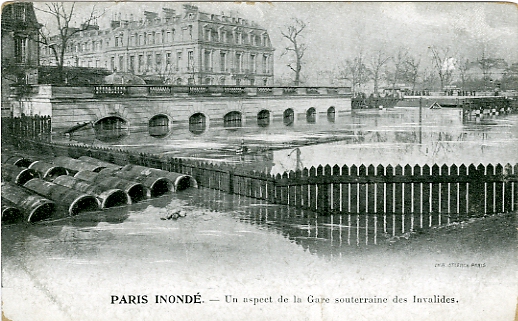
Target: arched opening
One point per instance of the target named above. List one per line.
(311, 116)
(288, 117)
(111, 128)
(197, 123)
(263, 118)
(158, 126)
(232, 119)
(331, 114)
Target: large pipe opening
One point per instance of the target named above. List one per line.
(137, 193)
(184, 182)
(42, 212)
(160, 186)
(110, 129)
(84, 203)
(113, 198)
(48, 171)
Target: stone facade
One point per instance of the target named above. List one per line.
(188, 48)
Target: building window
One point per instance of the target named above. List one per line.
(232, 119)
(20, 50)
(121, 63)
(158, 62)
(178, 60)
(265, 64)
(252, 64)
(239, 62)
(223, 61)
(190, 60)
(197, 123)
(224, 37)
(149, 62)
(141, 63)
(132, 64)
(168, 37)
(207, 61)
(112, 63)
(141, 40)
(116, 41)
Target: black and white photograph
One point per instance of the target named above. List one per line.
(312, 161)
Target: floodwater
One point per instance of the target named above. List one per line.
(229, 247)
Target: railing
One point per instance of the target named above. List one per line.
(26, 127)
(449, 190)
(157, 90)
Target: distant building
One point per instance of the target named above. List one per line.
(189, 48)
(20, 31)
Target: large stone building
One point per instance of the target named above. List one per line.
(20, 31)
(188, 48)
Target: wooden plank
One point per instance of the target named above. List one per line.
(499, 190)
(508, 189)
(426, 190)
(389, 188)
(417, 201)
(292, 192)
(454, 195)
(336, 190)
(490, 190)
(408, 191)
(371, 192)
(445, 192)
(298, 191)
(354, 191)
(398, 192)
(362, 191)
(305, 190)
(463, 192)
(476, 189)
(345, 191)
(435, 192)
(313, 190)
(380, 190)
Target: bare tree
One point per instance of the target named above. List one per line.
(356, 71)
(486, 64)
(377, 62)
(411, 70)
(64, 16)
(443, 64)
(463, 70)
(292, 33)
(397, 71)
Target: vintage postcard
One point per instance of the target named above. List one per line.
(259, 161)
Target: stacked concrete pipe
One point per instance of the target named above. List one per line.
(17, 160)
(180, 181)
(48, 171)
(17, 175)
(158, 185)
(10, 212)
(108, 197)
(33, 206)
(136, 191)
(98, 162)
(75, 165)
(73, 201)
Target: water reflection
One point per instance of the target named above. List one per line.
(323, 235)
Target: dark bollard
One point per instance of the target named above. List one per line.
(17, 175)
(136, 191)
(180, 181)
(158, 185)
(33, 206)
(108, 197)
(10, 213)
(75, 165)
(73, 201)
(47, 171)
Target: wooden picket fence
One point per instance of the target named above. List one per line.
(328, 190)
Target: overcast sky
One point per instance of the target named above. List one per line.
(337, 30)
